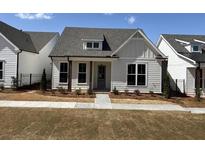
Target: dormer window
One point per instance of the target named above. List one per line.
(94, 45)
(195, 48)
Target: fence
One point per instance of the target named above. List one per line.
(29, 79)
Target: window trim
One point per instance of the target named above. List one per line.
(81, 72)
(63, 72)
(3, 70)
(93, 48)
(136, 74)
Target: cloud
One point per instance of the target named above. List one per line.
(32, 16)
(131, 20)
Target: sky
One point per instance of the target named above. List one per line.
(152, 24)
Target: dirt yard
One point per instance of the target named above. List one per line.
(25, 123)
(47, 96)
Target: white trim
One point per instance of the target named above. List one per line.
(86, 59)
(86, 65)
(62, 83)
(161, 37)
(95, 40)
(196, 40)
(181, 41)
(15, 47)
(132, 58)
(136, 74)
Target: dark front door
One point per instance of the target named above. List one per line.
(101, 77)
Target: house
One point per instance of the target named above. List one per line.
(23, 53)
(102, 59)
(186, 54)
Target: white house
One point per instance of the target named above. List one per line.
(185, 54)
(24, 53)
(102, 59)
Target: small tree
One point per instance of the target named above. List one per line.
(198, 94)
(14, 82)
(166, 91)
(43, 81)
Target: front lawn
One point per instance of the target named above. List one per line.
(25, 123)
(37, 95)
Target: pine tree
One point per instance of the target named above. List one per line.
(44, 81)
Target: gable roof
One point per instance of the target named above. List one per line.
(40, 39)
(17, 37)
(26, 41)
(71, 41)
(179, 48)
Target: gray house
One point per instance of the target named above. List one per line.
(103, 59)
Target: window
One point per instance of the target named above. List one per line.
(1, 70)
(136, 74)
(89, 45)
(82, 73)
(93, 45)
(96, 45)
(141, 74)
(63, 72)
(195, 48)
(131, 74)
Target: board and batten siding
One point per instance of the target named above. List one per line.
(8, 55)
(134, 52)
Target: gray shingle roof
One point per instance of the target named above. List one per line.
(71, 43)
(40, 39)
(17, 37)
(171, 38)
(26, 41)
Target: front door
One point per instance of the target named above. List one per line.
(101, 77)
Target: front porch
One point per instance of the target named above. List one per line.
(86, 73)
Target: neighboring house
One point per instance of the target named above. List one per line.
(104, 59)
(185, 54)
(24, 53)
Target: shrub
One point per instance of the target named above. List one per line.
(43, 81)
(137, 92)
(90, 91)
(61, 90)
(1, 86)
(115, 91)
(166, 88)
(78, 91)
(198, 92)
(151, 93)
(14, 82)
(126, 92)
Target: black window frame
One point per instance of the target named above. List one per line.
(96, 43)
(82, 73)
(141, 74)
(194, 47)
(131, 74)
(63, 72)
(2, 71)
(91, 43)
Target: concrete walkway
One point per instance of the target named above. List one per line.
(102, 101)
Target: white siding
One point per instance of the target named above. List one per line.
(32, 63)
(8, 55)
(190, 87)
(176, 65)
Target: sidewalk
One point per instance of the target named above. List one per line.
(78, 105)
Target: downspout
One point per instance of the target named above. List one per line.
(51, 73)
(17, 69)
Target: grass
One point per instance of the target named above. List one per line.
(39, 96)
(21, 123)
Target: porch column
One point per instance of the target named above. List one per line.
(91, 73)
(197, 78)
(69, 75)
